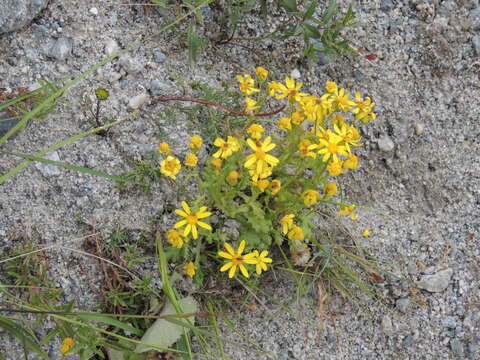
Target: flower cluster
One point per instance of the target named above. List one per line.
(270, 179)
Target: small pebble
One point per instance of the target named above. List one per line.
(476, 44)
(437, 282)
(47, 169)
(295, 74)
(94, 11)
(159, 57)
(402, 304)
(385, 143)
(418, 128)
(61, 49)
(111, 47)
(457, 348)
(138, 101)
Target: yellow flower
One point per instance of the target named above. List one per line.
(296, 233)
(331, 147)
(260, 156)
(273, 88)
(262, 184)
(287, 223)
(310, 197)
(163, 148)
(67, 344)
(195, 143)
(170, 167)
(290, 90)
(285, 123)
(366, 233)
(255, 131)
(191, 160)
(331, 87)
(364, 109)
(217, 164)
(298, 116)
(335, 168)
(250, 106)
(275, 186)
(266, 172)
(189, 269)
(232, 178)
(338, 120)
(316, 108)
(191, 221)
(348, 210)
(341, 100)
(330, 189)
(227, 148)
(175, 238)
(246, 84)
(236, 260)
(303, 147)
(262, 74)
(349, 135)
(260, 260)
(351, 162)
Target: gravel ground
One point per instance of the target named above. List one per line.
(419, 176)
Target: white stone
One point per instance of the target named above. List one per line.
(295, 74)
(47, 169)
(138, 101)
(94, 11)
(111, 47)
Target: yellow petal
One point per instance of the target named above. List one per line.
(194, 232)
(250, 161)
(204, 225)
(232, 271)
(188, 228)
(229, 249)
(225, 255)
(252, 144)
(218, 142)
(241, 247)
(180, 224)
(181, 213)
(201, 214)
(186, 207)
(226, 266)
(244, 271)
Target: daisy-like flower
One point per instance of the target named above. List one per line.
(191, 221)
(189, 269)
(175, 238)
(285, 123)
(260, 260)
(348, 210)
(287, 223)
(255, 131)
(275, 186)
(349, 135)
(304, 150)
(191, 160)
(217, 164)
(266, 172)
(236, 259)
(331, 147)
(330, 189)
(247, 84)
(170, 167)
(335, 168)
(310, 197)
(331, 87)
(296, 233)
(67, 344)
(290, 90)
(260, 156)
(273, 88)
(163, 148)
(261, 73)
(366, 233)
(351, 162)
(227, 148)
(195, 143)
(364, 109)
(338, 120)
(298, 116)
(262, 184)
(232, 177)
(341, 100)
(250, 106)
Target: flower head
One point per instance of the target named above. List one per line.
(170, 167)
(195, 143)
(255, 131)
(260, 260)
(273, 88)
(163, 148)
(304, 149)
(227, 148)
(262, 184)
(287, 223)
(236, 259)
(191, 221)
(285, 123)
(349, 135)
(335, 167)
(275, 186)
(351, 162)
(332, 147)
(296, 233)
(364, 109)
(189, 269)
(330, 189)
(232, 177)
(67, 344)
(310, 197)
(341, 100)
(247, 84)
(261, 73)
(348, 210)
(250, 106)
(191, 159)
(366, 233)
(331, 87)
(175, 238)
(290, 90)
(260, 159)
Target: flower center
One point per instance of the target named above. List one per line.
(191, 219)
(260, 154)
(332, 148)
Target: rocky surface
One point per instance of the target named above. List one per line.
(14, 14)
(418, 180)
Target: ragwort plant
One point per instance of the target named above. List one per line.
(273, 176)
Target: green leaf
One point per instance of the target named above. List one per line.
(23, 336)
(310, 10)
(289, 5)
(311, 31)
(111, 321)
(163, 332)
(331, 9)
